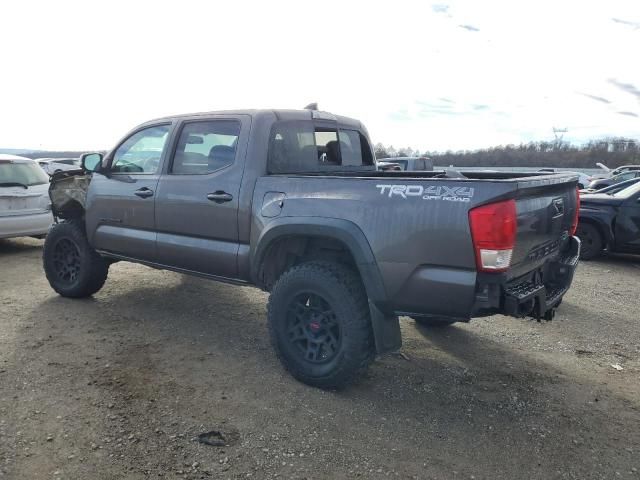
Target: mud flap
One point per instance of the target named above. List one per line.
(386, 330)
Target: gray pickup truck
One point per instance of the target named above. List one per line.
(290, 201)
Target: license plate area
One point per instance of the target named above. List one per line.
(15, 205)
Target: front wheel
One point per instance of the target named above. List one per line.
(73, 268)
(320, 324)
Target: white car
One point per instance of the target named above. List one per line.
(612, 172)
(54, 165)
(25, 208)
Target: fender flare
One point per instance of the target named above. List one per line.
(384, 322)
(338, 229)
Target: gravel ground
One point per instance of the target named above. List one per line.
(121, 385)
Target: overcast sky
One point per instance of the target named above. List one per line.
(436, 76)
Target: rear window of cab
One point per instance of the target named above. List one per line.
(303, 146)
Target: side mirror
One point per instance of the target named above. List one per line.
(91, 162)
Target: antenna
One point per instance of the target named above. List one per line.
(312, 106)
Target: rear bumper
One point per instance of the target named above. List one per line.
(25, 225)
(536, 294)
(462, 294)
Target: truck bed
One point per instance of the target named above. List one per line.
(417, 224)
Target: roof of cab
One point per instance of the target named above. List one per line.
(280, 114)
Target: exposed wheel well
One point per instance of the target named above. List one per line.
(72, 210)
(290, 250)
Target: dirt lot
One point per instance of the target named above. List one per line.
(120, 386)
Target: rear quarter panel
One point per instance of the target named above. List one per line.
(426, 226)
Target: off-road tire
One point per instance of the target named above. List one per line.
(343, 291)
(92, 269)
(592, 243)
(434, 322)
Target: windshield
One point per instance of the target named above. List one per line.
(27, 174)
(627, 192)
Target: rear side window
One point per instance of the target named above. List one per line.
(352, 149)
(204, 147)
(327, 149)
(21, 173)
(301, 146)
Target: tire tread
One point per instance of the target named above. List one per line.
(97, 269)
(355, 361)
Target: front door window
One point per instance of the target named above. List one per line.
(142, 151)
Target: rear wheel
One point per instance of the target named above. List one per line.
(434, 322)
(320, 324)
(591, 240)
(72, 266)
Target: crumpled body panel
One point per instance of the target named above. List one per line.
(68, 193)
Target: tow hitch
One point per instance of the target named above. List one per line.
(540, 295)
(531, 300)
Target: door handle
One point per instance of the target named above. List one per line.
(220, 196)
(144, 192)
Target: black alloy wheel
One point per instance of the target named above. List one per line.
(312, 328)
(591, 240)
(66, 260)
(320, 324)
(74, 269)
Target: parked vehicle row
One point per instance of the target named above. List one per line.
(608, 172)
(25, 207)
(616, 187)
(610, 220)
(583, 179)
(55, 165)
(607, 182)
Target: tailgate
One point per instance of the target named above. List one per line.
(545, 210)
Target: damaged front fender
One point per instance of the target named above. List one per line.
(68, 193)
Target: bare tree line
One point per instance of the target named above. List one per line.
(612, 151)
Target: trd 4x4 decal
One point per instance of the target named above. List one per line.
(430, 192)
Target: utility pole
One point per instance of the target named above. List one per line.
(558, 133)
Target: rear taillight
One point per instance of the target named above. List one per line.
(493, 229)
(576, 214)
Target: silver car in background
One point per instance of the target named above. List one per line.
(413, 164)
(54, 165)
(25, 207)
